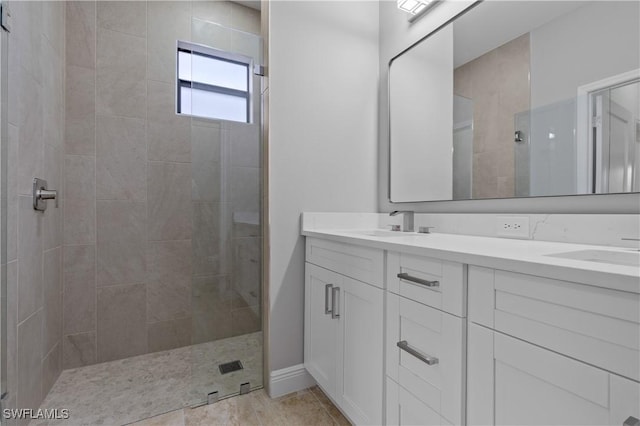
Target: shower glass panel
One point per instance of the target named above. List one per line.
(226, 202)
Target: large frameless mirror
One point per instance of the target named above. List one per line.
(519, 99)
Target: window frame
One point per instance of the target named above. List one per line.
(218, 55)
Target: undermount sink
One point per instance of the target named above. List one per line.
(382, 233)
(625, 258)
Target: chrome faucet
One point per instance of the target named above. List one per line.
(407, 219)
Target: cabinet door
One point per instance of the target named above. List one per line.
(320, 330)
(511, 382)
(360, 365)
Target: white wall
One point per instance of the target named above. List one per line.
(323, 62)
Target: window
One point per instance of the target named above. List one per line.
(213, 83)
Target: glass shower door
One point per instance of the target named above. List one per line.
(226, 205)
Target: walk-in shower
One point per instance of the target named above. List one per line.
(128, 299)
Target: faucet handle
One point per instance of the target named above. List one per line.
(395, 227)
(425, 229)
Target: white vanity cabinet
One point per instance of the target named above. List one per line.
(426, 336)
(544, 351)
(344, 326)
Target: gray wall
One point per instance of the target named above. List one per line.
(396, 34)
(155, 256)
(36, 134)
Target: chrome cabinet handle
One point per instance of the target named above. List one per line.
(327, 287)
(429, 360)
(335, 292)
(631, 421)
(407, 277)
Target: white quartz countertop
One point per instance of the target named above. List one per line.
(523, 256)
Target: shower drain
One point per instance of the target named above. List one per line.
(229, 367)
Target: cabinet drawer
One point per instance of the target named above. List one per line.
(592, 324)
(404, 408)
(447, 291)
(437, 337)
(360, 263)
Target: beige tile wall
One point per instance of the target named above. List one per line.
(498, 84)
(153, 258)
(36, 134)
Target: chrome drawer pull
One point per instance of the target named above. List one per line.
(631, 421)
(430, 360)
(327, 287)
(407, 277)
(335, 304)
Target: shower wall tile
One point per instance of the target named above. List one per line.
(171, 334)
(120, 158)
(79, 221)
(213, 11)
(245, 320)
(169, 191)
(244, 140)
(206, 141)
(244, 192)
(80, 178)
(53, 25)
(211, 326)
(53, 96)
(12, 193)
(80, 110)
(52, 218)
(79, 350)
(210, 34)
(209, 244)
(207, 182)
(122, 241)
(122, 329)
(212, 298)
(51, 368)
(30, 145)
(30, 362)
(245, 19)
(27, 30)
(169, 285)
(81, 33)
(246, 269)
(212, 293)
(167, 21)
(12, 326)
(121, 70)
(79, 268)
(128, 17)
(29, 259)
(52, 325)
(169, 134)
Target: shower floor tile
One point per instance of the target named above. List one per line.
(136, 388)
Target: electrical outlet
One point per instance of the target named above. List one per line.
(512, 226)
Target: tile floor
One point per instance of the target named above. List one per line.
(132, 389)
(305, 408)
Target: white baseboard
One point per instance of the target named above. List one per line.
(290, 379)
